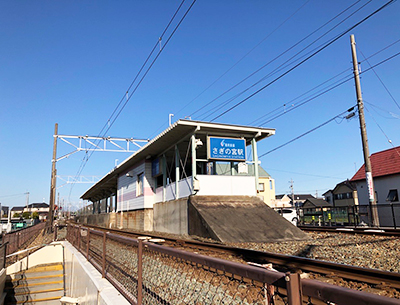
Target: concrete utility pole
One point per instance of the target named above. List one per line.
(363, 127)
(50, 217)
(292, 192)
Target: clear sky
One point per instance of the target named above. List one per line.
(71, 62)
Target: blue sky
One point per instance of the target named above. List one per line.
(70, 62)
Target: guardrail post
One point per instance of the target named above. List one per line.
(103, 269)
(79, 237)
(5, 254)
(293, 287)
(55, 233)
(140, 273)
(87, 243)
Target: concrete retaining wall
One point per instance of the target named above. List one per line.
(136, 220)
(171, 216)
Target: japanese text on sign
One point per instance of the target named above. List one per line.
(226, 149)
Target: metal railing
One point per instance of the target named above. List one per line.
(3, 251)
(148, 273)
(353, 215)
(17, 239)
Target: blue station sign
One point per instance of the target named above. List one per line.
(229, 149)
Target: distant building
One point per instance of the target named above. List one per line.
(17, 210)
(282, 200)
(315, 204)
(299, 199)
(285, 200)
(343, 195)
(328, 196)
(386, 175)
(4, 211)
(41, 208)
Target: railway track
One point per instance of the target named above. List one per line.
(281, 262)
(356, 230)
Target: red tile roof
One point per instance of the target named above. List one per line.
(383, 163)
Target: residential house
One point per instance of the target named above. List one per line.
(282, 201)
(328, 196)
(344, 194)
(286, 200)
(41, 208)
(17, 211)
(315, 210)
(386, 177)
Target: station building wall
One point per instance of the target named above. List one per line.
(129, 193)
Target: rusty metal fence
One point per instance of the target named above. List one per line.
(3, 251)
(148, 273)
(16, 240)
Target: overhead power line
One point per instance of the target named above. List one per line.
(381, 81)
(308, 132)
(334, 86)
(280, 67)
(234, 65)
(129, 96)
(295, 105)
(305, 60)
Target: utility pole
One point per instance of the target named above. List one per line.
(27, 200)
(363, 127)
(292, 191)
(50, 218)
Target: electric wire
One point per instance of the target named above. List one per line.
(255, 122)
(305, 60)
(393, 116)
(234, 65)
(383, 132)
(136, 87)
(282, 66)
(291, 101)
(334, 86)
(243, 57)
(142, 67)
(302, 174)
(307, 132)
(380, 80)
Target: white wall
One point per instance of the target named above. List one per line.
(226, 185)
(83, 281)
(128, 199)
(382, 186)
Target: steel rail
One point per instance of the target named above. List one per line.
(359, 274)
(353, 230)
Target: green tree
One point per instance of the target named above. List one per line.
(26, 215)
(16, 215)
(35, 215)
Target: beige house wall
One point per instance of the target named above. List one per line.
(268, 194)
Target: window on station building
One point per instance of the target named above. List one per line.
(140, 185)
(392, 196)
(261, 187)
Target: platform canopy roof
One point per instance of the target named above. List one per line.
(166, 140)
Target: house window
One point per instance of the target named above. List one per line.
(270, 185)
(261, 187)
(140, 187)
(392, 196)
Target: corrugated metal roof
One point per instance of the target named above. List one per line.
(166, 139)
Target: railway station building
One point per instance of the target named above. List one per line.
(184, 181)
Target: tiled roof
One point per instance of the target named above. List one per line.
(317, 202)
(383, 163)
(301, 196)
